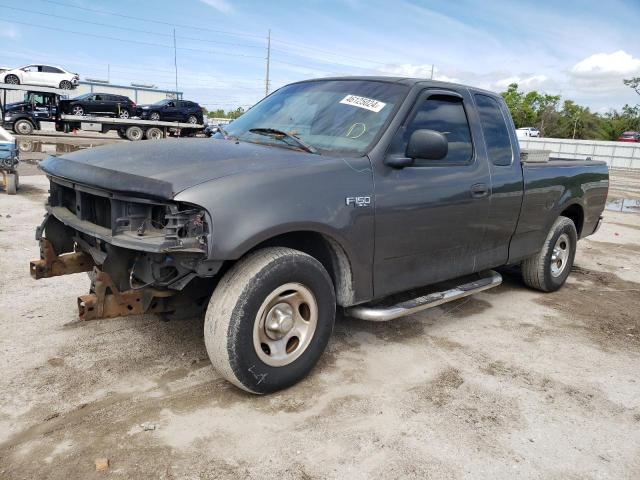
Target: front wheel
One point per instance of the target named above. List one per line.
(77, 110)
(192, 119)
(23, 127)
(269, 319)
(155, 116)
(549, 268)
(12, 80)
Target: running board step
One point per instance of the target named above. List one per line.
(382, 313)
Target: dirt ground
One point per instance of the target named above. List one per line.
(509, 383)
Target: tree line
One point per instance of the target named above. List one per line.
(221, 113)
(566, 119)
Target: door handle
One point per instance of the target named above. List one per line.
(479, 190)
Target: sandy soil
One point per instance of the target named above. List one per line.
(506, 384)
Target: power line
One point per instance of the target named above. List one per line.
(107, 37)
(135, 30)
(160, 22)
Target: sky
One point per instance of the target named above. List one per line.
(580, 50)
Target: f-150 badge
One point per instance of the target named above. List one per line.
(358, 201)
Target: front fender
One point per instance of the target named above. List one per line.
(249, 208)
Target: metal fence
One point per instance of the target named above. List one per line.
(616, 154)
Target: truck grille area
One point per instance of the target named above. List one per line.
(168, 225)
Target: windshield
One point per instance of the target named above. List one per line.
(331, 116)
(163, 102)
(83, 96)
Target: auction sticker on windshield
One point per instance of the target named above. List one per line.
(363, 102)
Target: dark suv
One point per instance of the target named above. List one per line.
(100, 104)
(172, 111)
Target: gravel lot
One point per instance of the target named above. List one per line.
(507, 384)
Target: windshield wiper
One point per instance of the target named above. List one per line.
(274, 132)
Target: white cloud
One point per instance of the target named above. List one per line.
(601, 74)
(616, 63)
(9, 32)
(524, 82)
(417, 71)
(220, 5)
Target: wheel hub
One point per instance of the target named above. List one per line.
(279, 321)
(560, 255)
(285, 324)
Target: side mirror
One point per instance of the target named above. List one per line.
(428, 145)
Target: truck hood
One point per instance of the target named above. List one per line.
(12, 107)
(163, 168)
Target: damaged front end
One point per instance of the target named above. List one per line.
(141, 253)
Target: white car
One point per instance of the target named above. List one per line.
(528, 132)
(43, 75)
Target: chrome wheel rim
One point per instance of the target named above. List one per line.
(192, 120)
(124, 114)
(78, 111)
(24, 128)
(12, 80)
(560, 255)
(285, 324)
(154, 116)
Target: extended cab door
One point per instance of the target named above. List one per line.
(503, 153)
(431, 216)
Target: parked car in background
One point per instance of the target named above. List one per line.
(629, 137)
(528, 132)
(173, 111)
(100, 104)
(43, 75)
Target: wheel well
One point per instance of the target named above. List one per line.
(576, 215)
(328, 252)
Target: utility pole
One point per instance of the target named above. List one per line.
(175, 59)
(108, 72)
(266, 83)
(432, 71)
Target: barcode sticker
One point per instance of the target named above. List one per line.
(363, 102)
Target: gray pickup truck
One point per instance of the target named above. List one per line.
(382, 196)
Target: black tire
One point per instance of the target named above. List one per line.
(12, 79)
(154, 133)
(122, 134)
(23, 127)
(549, 268)
(134, 133)
(192, 119)
(66, 85)
(234, 316)
(155, 116)
(77, 110)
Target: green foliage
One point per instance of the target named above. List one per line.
(634, 83)
(569, 120)
(231, 114)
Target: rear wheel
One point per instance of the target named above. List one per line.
(124, 113)
(134, 133)
(155, 116)
(23, 127)
(77, 110)
(154, 133)
(66, 85)
(192, 119)
(269, 319)
(12, 79)
(549, 268)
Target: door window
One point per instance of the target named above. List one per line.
(494, 130)
(444, 114)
